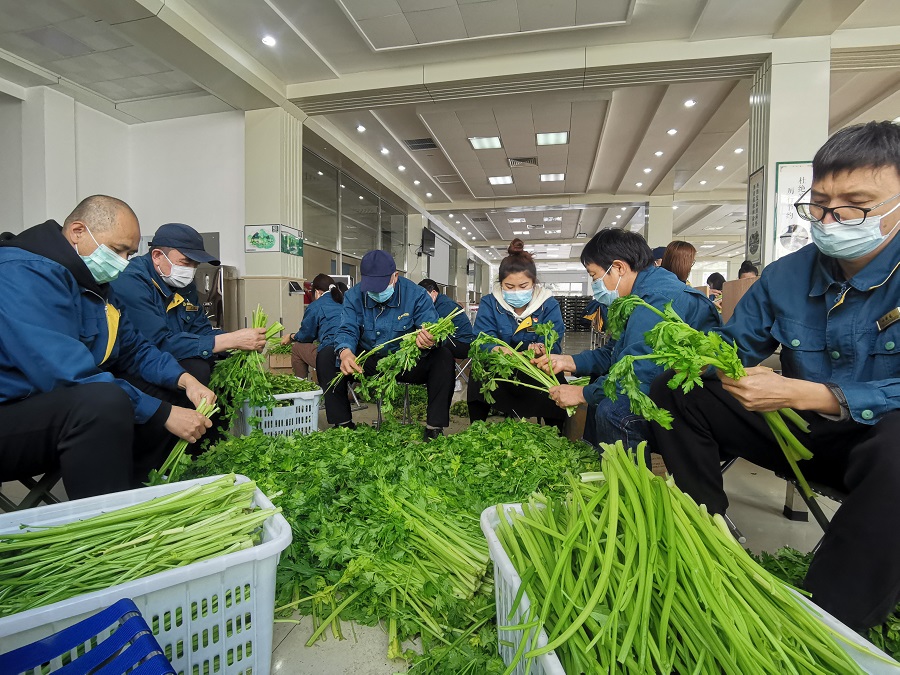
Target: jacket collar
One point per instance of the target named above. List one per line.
(644, 277)
(540, 296)
(166, 291)
(826, 271)
(393, 301)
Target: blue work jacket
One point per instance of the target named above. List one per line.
(171, 319)
(61, 328)
(445, 307)
(831, 329)
(497, 318)
(366, 323)
(321, 321)
(655, 286)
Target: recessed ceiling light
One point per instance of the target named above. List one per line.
(738, 151)
(674, 207)
(360, 196)
(417, 182)
(672, 132)
(320, 173)
(385, 151)
(552, 177)
(702, 182)
(269, 41)
(485, 142)
(619, 216)
(721, 167)
(658, 153)
(500, 180)
(457, 222)
(647, 170)
(401, 168)
(427, 194)
(624, 208)
(639, 185)
(464, 229)
(343, 187)
(360, 128)
(690, 103)
(473, 238)
(556, 138)
(450, 215)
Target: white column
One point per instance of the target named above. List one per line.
(660, 219)
(417, 265)
(12, 218)
(734, 264)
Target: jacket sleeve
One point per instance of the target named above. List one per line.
(309, 326)
(149, 319)
(423, 308)
(464, 333)
(750, 327)
(43, 338)
(136, 356)
(870, 401)
(351, 323)
(594, 361)
(486, 321)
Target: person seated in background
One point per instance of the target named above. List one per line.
(620, 263)
(381, 307)
(64, 347)
(321, 320)
(658, 254)
(748, 270)
(715, 282)
(832, 307)
(159, 292)
(462, 338)
(679, 259)
(592, 316)
(511, 312)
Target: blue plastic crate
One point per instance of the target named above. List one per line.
(114, 641)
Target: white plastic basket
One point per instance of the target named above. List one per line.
(226, 604)
(506, 587)
(300, 416)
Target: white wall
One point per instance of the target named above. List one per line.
(11, 213)
(102, 155)
(191, 170)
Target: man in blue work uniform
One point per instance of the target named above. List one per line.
(833, 308)
(459, 343)
(159, 292)
(381, 307)
(65, 347)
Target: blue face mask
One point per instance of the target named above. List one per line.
(852, 238)
(103, 264)
(384, 296)
(601, 293)
(518, 298)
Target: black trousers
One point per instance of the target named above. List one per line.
(434, 370)
(515, 401)
(460, 350)
(87, 432)
(855, 575)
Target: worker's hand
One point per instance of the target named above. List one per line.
(567, 394)
(187, 424)
(348, 363)
(763, 390)
(424, 339)
(195, 390)
(286, 340)
(249, 339)
(505, 350)
(713, 291)
(555, 363)
(539, 348)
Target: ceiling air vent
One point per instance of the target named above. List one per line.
(420, 144)
(446, 178)
(479, 219)
(522, 161)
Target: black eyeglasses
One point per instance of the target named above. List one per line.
(815, 213)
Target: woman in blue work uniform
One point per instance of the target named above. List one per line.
(321, 319)
(516, 305)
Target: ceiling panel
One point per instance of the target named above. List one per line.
(874, 14)
(16, 15)
(542, 15)
(437, 25)
(726, 18)
(388, 31)
(494, 17)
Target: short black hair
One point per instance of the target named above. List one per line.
(615, 244)
(430, 285)
(873, 145)
(715, 281)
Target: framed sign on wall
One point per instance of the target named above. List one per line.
(756, 214)
(792, 180)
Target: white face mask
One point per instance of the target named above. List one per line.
(179, 276)
(852, 238)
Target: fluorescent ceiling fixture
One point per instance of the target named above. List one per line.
(712, 228)
(639, 185)
(416, 182)
(738, 151)
(672, 132)
(360, 128)
(500, 180)
(552, 231)
(385, 151)
(702, 182)
(321, 174)
(269, 41)
(485, 142)
(550, 177)
(556, 138)
(401, 168)
(658, 153)
(708, 246)
(721, 167)
(427, 194)
(690, 103)
(553, 219)
(515, 220)
(521, 232)
(648, 170)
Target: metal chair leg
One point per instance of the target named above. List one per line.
(734, 530)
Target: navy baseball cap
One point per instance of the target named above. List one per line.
(376, 269)
(184, 238)
(659, 252)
